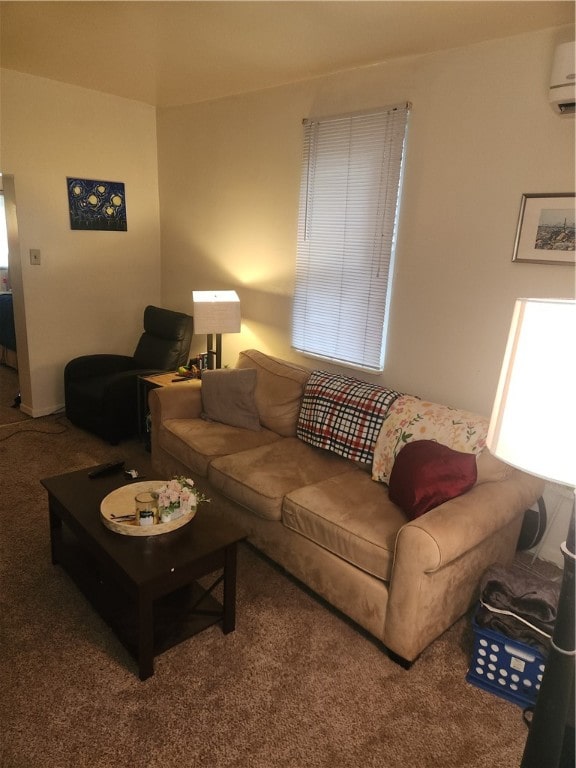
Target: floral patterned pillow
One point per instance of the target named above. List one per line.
(412, 419)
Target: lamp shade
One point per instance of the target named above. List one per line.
(216, 312)
(533, 423)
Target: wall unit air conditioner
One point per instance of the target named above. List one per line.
(563, 81)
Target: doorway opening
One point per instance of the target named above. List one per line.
(9, 378)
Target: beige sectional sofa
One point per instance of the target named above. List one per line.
(271, 449)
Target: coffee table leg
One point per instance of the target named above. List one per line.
(229, 607)
(55, 531)
(145, 637)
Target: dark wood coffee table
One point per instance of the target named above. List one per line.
(145, 588)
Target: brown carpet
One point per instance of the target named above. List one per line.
(295, 685)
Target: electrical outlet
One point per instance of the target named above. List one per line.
(34, 256)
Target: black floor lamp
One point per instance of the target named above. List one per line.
(533, 427)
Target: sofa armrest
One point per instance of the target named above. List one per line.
(182, 401)
(457, 526)
(440, 558)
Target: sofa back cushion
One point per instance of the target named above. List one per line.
(490, 469)
(411, 419)
(279, 389)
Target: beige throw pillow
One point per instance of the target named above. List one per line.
(228, 397)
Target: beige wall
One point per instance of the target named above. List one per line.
(481, 134)
(90, 290)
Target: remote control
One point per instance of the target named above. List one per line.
(106, 469)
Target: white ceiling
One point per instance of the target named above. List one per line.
(177, 52)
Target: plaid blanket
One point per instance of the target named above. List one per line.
(343, 414)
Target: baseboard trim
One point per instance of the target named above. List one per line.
(38, 413)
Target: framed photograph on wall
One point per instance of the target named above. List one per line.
(545, 233)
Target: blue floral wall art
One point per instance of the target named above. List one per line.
(97, 205)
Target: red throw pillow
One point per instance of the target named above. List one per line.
(426, 474)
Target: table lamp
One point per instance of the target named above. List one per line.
(215, 313)
(533, 428)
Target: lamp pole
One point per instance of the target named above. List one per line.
(550, 739)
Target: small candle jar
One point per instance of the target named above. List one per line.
(146, 508)
(146, 517)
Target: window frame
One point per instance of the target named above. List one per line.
(351, 182)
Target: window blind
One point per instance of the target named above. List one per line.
(349, 195)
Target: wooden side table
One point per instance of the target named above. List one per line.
(144, 385)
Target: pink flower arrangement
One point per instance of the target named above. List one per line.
(179, 496)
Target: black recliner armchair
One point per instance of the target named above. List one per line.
(100, 391)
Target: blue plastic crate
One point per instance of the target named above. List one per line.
(505, 667)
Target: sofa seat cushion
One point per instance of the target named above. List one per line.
(260, 478)
(352, 517)
(196, 442)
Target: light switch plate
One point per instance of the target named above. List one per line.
(34, 256)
